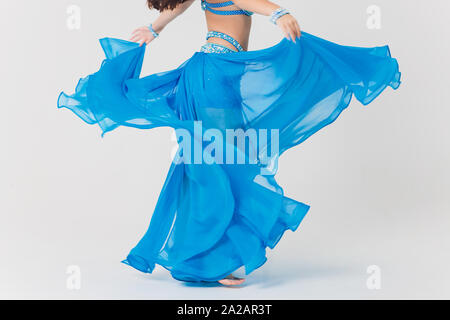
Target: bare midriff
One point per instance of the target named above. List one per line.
(236, 26)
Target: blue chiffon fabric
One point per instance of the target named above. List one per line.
(211, 219)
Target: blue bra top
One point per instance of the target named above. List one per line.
(211, 7)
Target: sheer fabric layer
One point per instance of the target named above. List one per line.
(213, 219)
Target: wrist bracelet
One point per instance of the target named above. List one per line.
(277, 14)
(154, 33)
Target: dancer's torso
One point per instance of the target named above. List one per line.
(226, 18)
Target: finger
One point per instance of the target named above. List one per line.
(286, 34)
(135, 33)
(139, 39)
(291, 35)
(135, 38)
(140, 30)
(299, 33)
(295, 29)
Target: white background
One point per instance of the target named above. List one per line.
(377, 179)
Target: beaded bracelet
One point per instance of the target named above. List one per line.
(154, 33)
(277, 14)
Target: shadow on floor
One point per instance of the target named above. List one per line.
(270, 275)
(273, 275)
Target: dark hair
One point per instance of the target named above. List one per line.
(162, 5)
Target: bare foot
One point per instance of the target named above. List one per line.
(231, 280)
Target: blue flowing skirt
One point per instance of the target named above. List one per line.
(211, 219)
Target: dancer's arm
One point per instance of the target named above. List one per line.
(287, 23)
(144, 35)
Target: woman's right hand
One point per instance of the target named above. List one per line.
(142, 35)
(289, 26)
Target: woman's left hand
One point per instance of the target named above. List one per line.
(142, 35)
(290, 27)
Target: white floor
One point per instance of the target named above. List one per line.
(411, 266)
